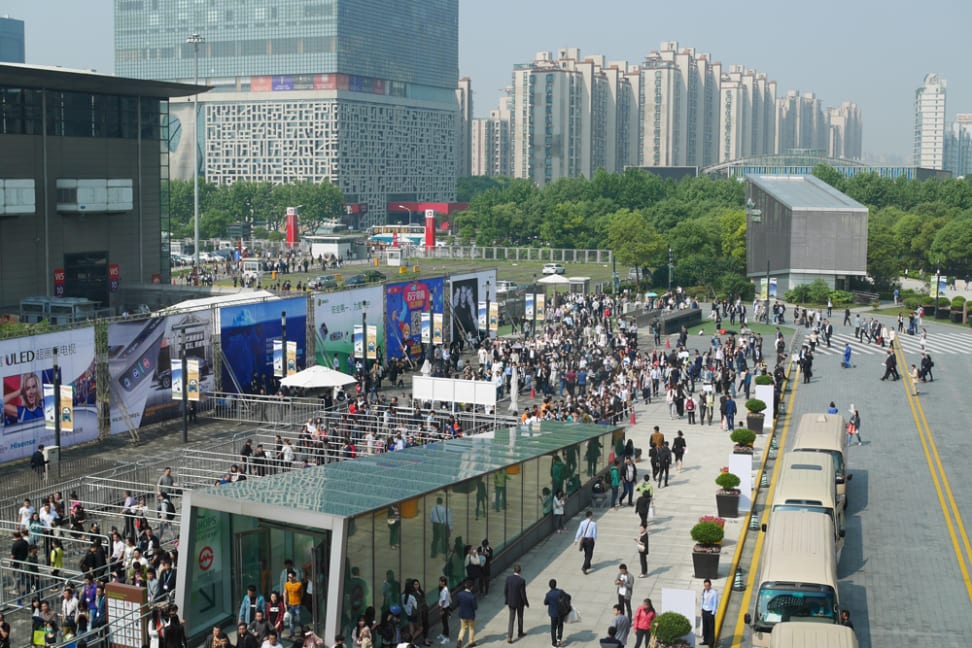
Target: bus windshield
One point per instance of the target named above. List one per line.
(780, 602)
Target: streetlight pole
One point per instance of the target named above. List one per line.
(766, 312)
(670, 267)
(409, 213)
(57, 408)
(195, 40)
(487, 309)
(185, 389)
(938, 283)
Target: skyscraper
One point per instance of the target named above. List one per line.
(358, 92)
(11, 40)
(929, 149)
(491, 152)
(464, 100)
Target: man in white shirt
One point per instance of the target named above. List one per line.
(48, 516)
(441, 519)
(26, 512)
(271, 641)
(710, 604)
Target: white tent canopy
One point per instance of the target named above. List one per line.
(318, 377)
(554, 280)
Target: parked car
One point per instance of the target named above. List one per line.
(633, 274)
(553, 268)
(503, 286)
(356, 280)
(322, 282)
(373, 276)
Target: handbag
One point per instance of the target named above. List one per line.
(641, 547)
(573, 616)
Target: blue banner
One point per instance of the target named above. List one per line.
(248, 332)
(404, 305)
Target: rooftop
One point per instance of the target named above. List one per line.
(337, 488)
(805, 193)
(68, 79)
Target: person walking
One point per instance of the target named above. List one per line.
(664, 463)
(710, 603)
(624, 581)
(445, 609)
(914, 380)
(642, 506)
(556, 600)
(615, 476)
(466, 602)
(621, 624)
(629, 477)
(642, 622)
(678, 450)
(515, 596)
(586, 536)
(846, 363)
(642, 543)
(855, 421)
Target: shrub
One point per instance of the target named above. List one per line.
(707, 534)
(743, 437)
(764, 379)
(669, 627)
(944, 302)
(755, 405)
(912, 302)
(841, 297)
(958, 302)
(727, 481)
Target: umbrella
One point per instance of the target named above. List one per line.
(554, 280)
(651, 294)
(318, 377)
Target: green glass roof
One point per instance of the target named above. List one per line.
(368, 483)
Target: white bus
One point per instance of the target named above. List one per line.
(802, 634)
(807, 483)
(797, 574)
(827, 434)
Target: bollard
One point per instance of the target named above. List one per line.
(753, 521)
(764, 480)
(632, 420)
(774, 443)
(737, 581)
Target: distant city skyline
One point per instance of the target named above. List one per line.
(841, 51)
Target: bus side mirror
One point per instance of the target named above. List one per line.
(763, 527)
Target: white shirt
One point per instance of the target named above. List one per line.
(710, 600)
(48, 516)
(25, 513)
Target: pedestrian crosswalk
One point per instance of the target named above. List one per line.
(953, 343)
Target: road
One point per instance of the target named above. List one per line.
(905, 570)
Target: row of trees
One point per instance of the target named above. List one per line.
(261, 204)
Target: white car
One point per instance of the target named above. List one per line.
(553, 268)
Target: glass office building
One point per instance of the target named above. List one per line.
(360, 93)
(11, 40)
(358, 529)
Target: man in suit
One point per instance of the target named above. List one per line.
(516, 600)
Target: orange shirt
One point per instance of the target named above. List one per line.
(295, 592)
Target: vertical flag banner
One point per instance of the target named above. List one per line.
(358, 336)
(772, 287)
(291, 357)
(192, 380)
(540, 298)
(67, 408)
(49, 406)
(436, 328)
(426, 328)
(177, 380)
(278, 361)
(528, 307)
(482, 316)
(493, 318)
(763, 288)
(372, 341)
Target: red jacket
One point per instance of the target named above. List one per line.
(643, 618)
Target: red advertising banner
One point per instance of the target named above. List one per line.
(114, 277)
(58, 282)
(325, 82)
(261, 84)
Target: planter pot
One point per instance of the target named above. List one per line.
(739, 449)
(727, 504)
(957, 317)
(706, 564)
(754, 421)
(943, 313)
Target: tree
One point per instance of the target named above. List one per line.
(633, 239)
(953, 246)
(829, 175)
(882, 256)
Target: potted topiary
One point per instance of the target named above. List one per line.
(944, 308)
(744, 440)
(727, 497)
(754, 413)
(958, 308)
(705, 554)
(764, 379)
(670, 630)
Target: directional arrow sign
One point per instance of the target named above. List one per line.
(208, 594)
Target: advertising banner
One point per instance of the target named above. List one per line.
(27, 365)
(481, 320)
(335, 314)
(278, 361)
(145, 366)
(404, 305)
(291, 357)
(465, 297)
(248, 332)
(539, 305)
(493, 318)
(64, 409)
(372, 341)
(426, 328)
(192, 381)
(528, 307)
(436, 328)
(358, 341)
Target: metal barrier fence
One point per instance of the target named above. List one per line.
(500, 253)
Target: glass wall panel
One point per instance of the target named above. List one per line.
(496, 522)
(364, 544)
(534, 498)
(514, 508)
(572, 469)
(416, 541)
(595, 457)
(387, 542)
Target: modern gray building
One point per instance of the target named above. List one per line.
(799, 228)
(12, 48)
(361, 93)
(83, 182)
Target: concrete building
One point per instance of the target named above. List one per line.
(492, 153)
(359, 93)
(845, 133)
(12, 43)
(799, 229)
(929, 149)
(464, 101)
(958, 146)
(83, 182)
(800, 123)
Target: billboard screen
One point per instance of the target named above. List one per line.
(335, 315)
(404, 305)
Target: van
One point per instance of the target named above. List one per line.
(800, 634)
(797, 575)
(806, 483)
(252, 270)
(827, 434)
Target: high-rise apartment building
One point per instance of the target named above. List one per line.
(845, 134)
(800, 123)
(929, 150)
(958, 146)
(492, 153)
(12, 48)
(361, 93)
(464, 101)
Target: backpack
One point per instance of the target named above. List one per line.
(690, 405)
(563, 604)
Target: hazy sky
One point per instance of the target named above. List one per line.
(873, 53)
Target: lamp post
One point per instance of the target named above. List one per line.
(185, 390)
(938, 283)
(487, 309)
(533, 325)
(283, 343)
(364, 339)
(57, 408)
(670, 270)
(195, 40)
(409, 213)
